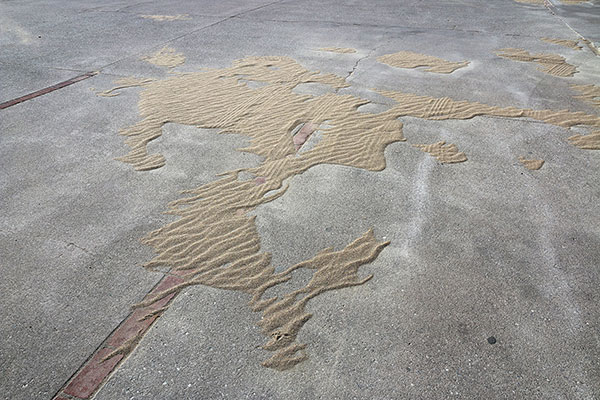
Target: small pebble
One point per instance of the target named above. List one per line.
(491, 340)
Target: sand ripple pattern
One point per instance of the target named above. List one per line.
(589, 94)
(408, 59)
(573, 44)
(214, 242)
(586, 142)
(551, 64)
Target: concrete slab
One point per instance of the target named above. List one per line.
(90, 40)
(489, 288)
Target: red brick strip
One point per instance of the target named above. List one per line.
(303, 134)
(93, 373)
(46, 90)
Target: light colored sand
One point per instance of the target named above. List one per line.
(408, 59)
(178, 17)
(573, 44)
(433, 108)
(445, 153)
(214, 229)
(552, 64)
(531, 164)
(215, 242)
(343, 50)
(165, 57)
(589, 94)
(123, 83)
(587, 142)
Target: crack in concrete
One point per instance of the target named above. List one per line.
(163, 44)
(413, 29)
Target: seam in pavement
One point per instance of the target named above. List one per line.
(553, 10)
(46, 90)
(104, 344)
(191, 32)
(417, 29)
(92, 360)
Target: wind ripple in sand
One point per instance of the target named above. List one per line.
(214, 242)
(551, 64)
(589, 94)
(573, 44)
(586, 142)
(408, 59)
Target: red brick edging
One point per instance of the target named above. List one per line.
(93, 373)
(49, 89)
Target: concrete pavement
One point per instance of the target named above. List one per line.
(479, 250)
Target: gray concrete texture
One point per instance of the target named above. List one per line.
(479, 249)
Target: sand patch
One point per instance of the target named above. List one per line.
(587, 142)
(589, 94)
(123, 83)
(551, 64)
(445, 153)
(408, 59)
(214, 241)
(531, 164)
(573, 44)
(178, 17)
(343, 50)
(165, 57)
(443, 108)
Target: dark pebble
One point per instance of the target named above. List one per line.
(492, 340)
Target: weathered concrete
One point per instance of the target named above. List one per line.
(480, 249)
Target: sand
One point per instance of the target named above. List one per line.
(443, 108)
(214, 241)
(124, 83)
(589, 94)
(573, 44)
(586, 142)
(552, 64)
(445, 153)
(408, 59)
(178, 17)
(531, 164)
(165, 57)
(343, 50)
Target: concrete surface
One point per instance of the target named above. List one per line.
(479, 249)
